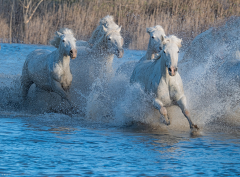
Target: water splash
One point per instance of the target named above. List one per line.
(210, 73)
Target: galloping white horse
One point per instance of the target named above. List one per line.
(107, 22)
(160, 76)
(50, 71)
(96, 62)
(155, 45)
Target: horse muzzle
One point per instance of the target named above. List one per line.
(120, 53)
(73, 53)
(172, 71)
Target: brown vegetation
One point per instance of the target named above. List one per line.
(184, 18)
(4, 30)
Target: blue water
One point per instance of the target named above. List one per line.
(52, 144)
(31, 147)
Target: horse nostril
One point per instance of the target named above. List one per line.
(71, 52)
(175, 69)
(169, 69)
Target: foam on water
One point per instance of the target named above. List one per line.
(209, 69)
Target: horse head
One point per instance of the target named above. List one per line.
(114, 41)
(66, 42)
(171, 46)
(155, 41)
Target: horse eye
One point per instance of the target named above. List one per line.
(178, 52)
(164, 51)
(63, 40)
(153, 37)
(109, 39)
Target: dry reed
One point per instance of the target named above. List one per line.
(184, 18)
(4, 30)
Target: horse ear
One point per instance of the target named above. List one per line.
(104, 29)
(149, 30)
(179, 44)
(165, 40)
(58, 34)
(119, 29)
(162, 39)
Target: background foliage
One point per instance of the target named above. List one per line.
(184, 18)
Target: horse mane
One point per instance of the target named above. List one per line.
(107, 22)
(66, 31)
(156, 28)
(173, 39)
(56, 40)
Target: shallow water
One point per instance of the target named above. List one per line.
(54, 144)
(31, 147)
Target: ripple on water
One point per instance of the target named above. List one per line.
(31, 147)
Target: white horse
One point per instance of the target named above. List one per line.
(96, 62)
(155, 45)
(50, 71)
(160, 76)
(107, 22)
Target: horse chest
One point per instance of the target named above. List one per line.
(175, 88)
(62, 75)
(163, 93)
(168, 91)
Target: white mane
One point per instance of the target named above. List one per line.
(107, 22)
(57, 38)
(173, 39)
(156, 28)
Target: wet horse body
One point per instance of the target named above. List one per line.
(96, 62)
(160, 77)
(50, 71)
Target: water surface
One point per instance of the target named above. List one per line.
(52, 144)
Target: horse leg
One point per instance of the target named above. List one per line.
(25, 84)
(57, 88)
(159, 106)
(182, 103)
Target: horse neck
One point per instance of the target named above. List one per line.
(101, 53)
(163, 68)
(62, 59)
(149, 54)
(160, 70)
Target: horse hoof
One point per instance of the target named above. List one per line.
(194, 127)
(195, 132)
(166, 122)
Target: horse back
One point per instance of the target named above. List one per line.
(37, 65)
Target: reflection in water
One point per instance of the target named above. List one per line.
(39, 147)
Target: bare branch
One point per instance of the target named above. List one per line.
(32, 6)
(28, 5)
(30, 17)
(21, 3)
